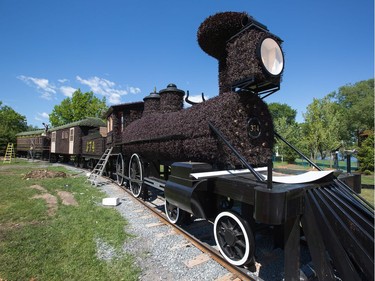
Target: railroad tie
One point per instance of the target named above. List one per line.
(228, 277)
(202, 258)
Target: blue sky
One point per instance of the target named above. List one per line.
(124, 49)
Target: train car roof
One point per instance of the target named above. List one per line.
(122, 106)
(88, 122)
(31, 133)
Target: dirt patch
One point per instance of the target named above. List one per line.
(42, 174)
(50, 200)
(67, 198)
(38, 187)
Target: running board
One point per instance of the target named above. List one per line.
(205, 175)
(308, 177)
(155, 183)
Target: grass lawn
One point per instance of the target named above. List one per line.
(44, 238)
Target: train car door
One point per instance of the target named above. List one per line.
(53, 142)
(71, 140)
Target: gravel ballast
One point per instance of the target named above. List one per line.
(159, 251)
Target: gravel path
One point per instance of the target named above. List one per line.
(161, 253)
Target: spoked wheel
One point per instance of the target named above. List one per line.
(174, 214)
(120, 169)
(234, 238)
(135, 175)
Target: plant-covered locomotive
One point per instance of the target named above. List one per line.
(208, 160)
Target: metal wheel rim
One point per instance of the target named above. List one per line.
(135, 175)
(120, 169)
(172, 212)
(232, 238)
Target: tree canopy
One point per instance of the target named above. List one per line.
(11, 123)
(284, 121)
(79, 106)
(356, 109)
(282, 110)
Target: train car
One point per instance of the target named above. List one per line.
(67, 141)
(214, 161)
(33, 144)
(93, 146)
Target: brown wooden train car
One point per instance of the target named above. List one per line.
(93, 146)
(33, 144)
(66, 140)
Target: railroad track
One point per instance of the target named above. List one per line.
(199, 233)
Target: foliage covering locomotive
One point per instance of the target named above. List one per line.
(208, 159)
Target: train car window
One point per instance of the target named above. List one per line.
(110, 124)
(71, 134)
(53, 136)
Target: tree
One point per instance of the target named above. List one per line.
(79, 106)
(285, 124)
(321, 127)
(282, 110)
(356, 109)
(366, 154)
(11, 123)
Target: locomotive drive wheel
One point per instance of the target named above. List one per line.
(120, 169)
(234, 238)
(174, 214)
(135, 175)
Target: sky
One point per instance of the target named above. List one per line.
(123, 50)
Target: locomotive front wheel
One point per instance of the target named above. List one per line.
(174, 214)
(234, 238)
(135, 175)
(120, 169)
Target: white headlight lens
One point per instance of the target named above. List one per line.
(272, 56)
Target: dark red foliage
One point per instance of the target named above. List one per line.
(216, 30)
(185, 135)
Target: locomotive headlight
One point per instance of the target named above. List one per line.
(272, 56)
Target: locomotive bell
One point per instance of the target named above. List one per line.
(250, 57)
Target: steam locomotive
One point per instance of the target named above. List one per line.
(213, 160)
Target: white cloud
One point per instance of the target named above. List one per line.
(134, 90)
(107, 88)
(41, 116)
(44, 115)
(42, 85)
(67, 91)
(114, 99)
(99, 86)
